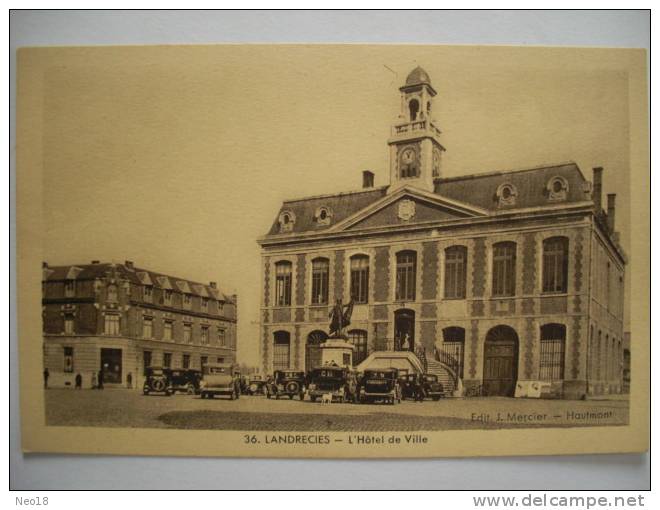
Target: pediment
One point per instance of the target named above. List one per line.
(409, 207)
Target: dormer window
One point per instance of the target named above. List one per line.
(286, 220)
(167, 296)
(557, 189)
(205, 304)
(112, 293)
(70, 288)
(148, 293)
(187, 300)
(506, 194)
(323, 216)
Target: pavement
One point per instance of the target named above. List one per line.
(129, 408)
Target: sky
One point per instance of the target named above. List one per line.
(178, 158)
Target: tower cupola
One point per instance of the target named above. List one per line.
(415, 148)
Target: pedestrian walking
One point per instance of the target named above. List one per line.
(78, 381)
(100, 380)
(46, 376)
(94, 381)
(129, 380)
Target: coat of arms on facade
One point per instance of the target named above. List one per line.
(406, 209)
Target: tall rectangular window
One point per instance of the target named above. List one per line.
(146, 361)
(281, 350)
(203, 360)
(186, 361)
(455, 272)
(406, 269)
(553, 340)
(68, 323)
(360, 279)
(358, 338)
(70, 288)
(283, 283)
(204, 335)
(147, 293)
(504, 269)
(167, 330)
(167, 359)
(68, 359)
(147, 327)
(320, 270)
(187, 333)
(111, 324)
(222, 338)
(555, 264)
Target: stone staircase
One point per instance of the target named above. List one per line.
(445, 375)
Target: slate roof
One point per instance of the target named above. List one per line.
(480, 189)
(477, 190)
(341, 206)
(135, 275)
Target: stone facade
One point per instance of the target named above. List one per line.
(126, 318)
(555, 305)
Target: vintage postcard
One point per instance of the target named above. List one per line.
(333, 250)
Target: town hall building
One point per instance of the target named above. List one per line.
(508, 279)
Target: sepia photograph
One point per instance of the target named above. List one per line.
(333, 250)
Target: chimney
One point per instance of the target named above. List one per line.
(129, 264)
(367, 179)
(598, 189)
(213, 285)
(611, 202)
(96, 261)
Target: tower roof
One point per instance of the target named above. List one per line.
(417, 77)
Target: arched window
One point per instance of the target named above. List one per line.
(112, 293)
(406, 270)
(413, 105)
(283, 283)
(504, 269)
(358, 337)
(453, 341)
(553, 341)
(281, 350)
(320, 271)
(455, 272)
(555, 264)
(360, 278)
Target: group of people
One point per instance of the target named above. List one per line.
(97, 380)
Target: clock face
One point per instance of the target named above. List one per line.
(408, 156)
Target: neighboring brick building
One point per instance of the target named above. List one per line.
(505, 277)
(124, 319)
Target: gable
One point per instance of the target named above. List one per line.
(415, 209)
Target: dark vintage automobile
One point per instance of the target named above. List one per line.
(157, 380)
(185, 380)
(287, 383)
(255, 385)
(432, 387)
(407, 383)
(336, 381)
(380, 384)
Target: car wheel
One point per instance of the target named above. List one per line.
(302, 396)
(190, 389)
(290, 396)
(210, 395)
(145, 392)
(312, 398)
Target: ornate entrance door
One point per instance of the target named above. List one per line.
(111, 365)
(500, 361)
(404, 330)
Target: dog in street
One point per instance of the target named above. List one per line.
(326, 398)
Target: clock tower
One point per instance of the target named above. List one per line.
(415, 148)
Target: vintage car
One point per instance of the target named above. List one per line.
(331, 380)
(431, 387)
(380, 384)
(287, 382)
(255, 384)
(186, 380)
(219, 379)
(157, 380)
(407, 383)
